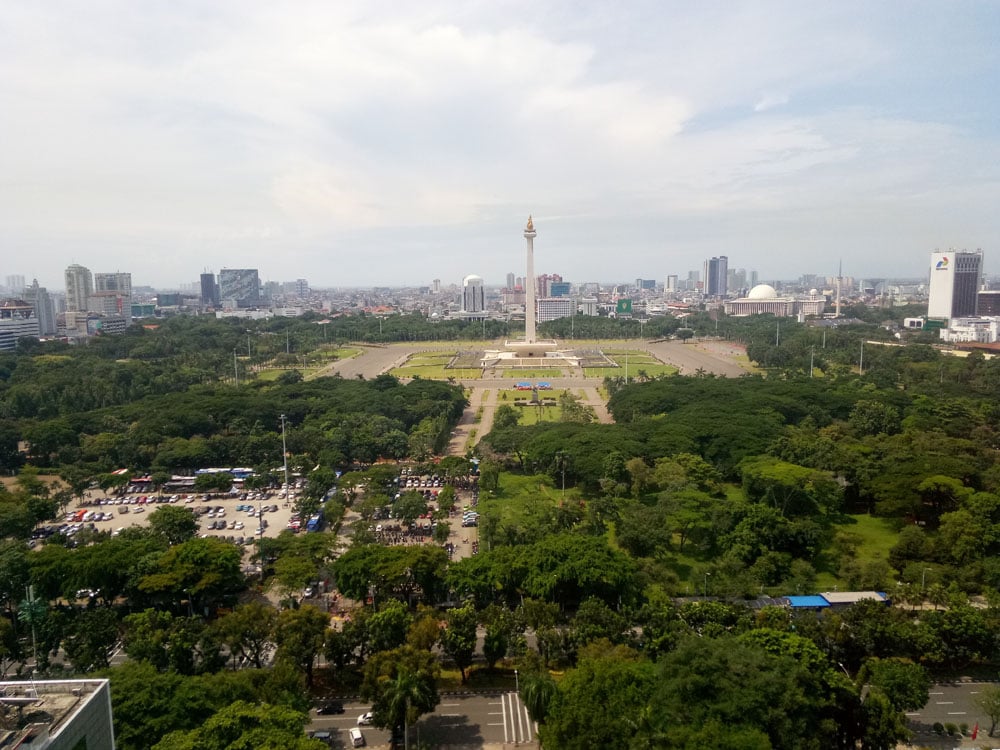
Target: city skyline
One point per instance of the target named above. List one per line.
(370, 144)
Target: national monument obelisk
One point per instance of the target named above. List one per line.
(531, 352)
(529, 285)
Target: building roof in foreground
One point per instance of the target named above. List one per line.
(56, 714)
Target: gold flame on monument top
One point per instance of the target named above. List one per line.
(531, 225)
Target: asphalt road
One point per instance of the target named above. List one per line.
(954, 703)
(465, 721)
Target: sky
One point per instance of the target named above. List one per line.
(391, 143)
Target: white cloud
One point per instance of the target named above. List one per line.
(239, 126)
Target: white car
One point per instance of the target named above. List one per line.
(365, 719)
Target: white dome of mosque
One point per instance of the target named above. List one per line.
(763, 291)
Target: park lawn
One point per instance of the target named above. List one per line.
(878, 536)
(434, 366)
(344, 352)
(532, 415)
(521, 499)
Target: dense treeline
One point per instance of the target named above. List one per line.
(155, 400)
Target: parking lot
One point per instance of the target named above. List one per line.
(237, 516)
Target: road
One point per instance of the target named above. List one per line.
(954, 703)
(460, 722)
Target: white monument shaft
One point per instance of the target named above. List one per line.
(529, 285)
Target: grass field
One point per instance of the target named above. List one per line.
(433, 366)
(637, 361)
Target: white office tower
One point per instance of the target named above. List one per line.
(473, 297)
(79, 287)
(954, 283)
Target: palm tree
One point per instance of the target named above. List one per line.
(537, 691)
(407, 695)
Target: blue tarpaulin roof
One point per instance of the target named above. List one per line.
(806, 602)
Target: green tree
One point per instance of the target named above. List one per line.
(989, 701)
(249, 630)
(537, 691)
(246, 726)
(147, 637)
(597, 703)
(905, 684)
(90, 638)
(207, 570)
(387, 628)
(299, 636)
(401, 686)
(174, 523)
(458, 639)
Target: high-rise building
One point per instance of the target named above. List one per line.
(301, 288)
(737, 280)
(510, 281)
(954, 283)
(79, 287)
(115, 286)
(17, 320)
(716, 276)
(671, 285)
(239, 287)
(473, 297)
(45, 311)
(15, 284)
(559, 288)
(551, 308)
(544, 288)
(209, 290)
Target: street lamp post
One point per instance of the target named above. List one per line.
(284, 454)
(706, 584)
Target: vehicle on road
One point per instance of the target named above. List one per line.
(365, 720)
(357, 737)
(331, 707)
